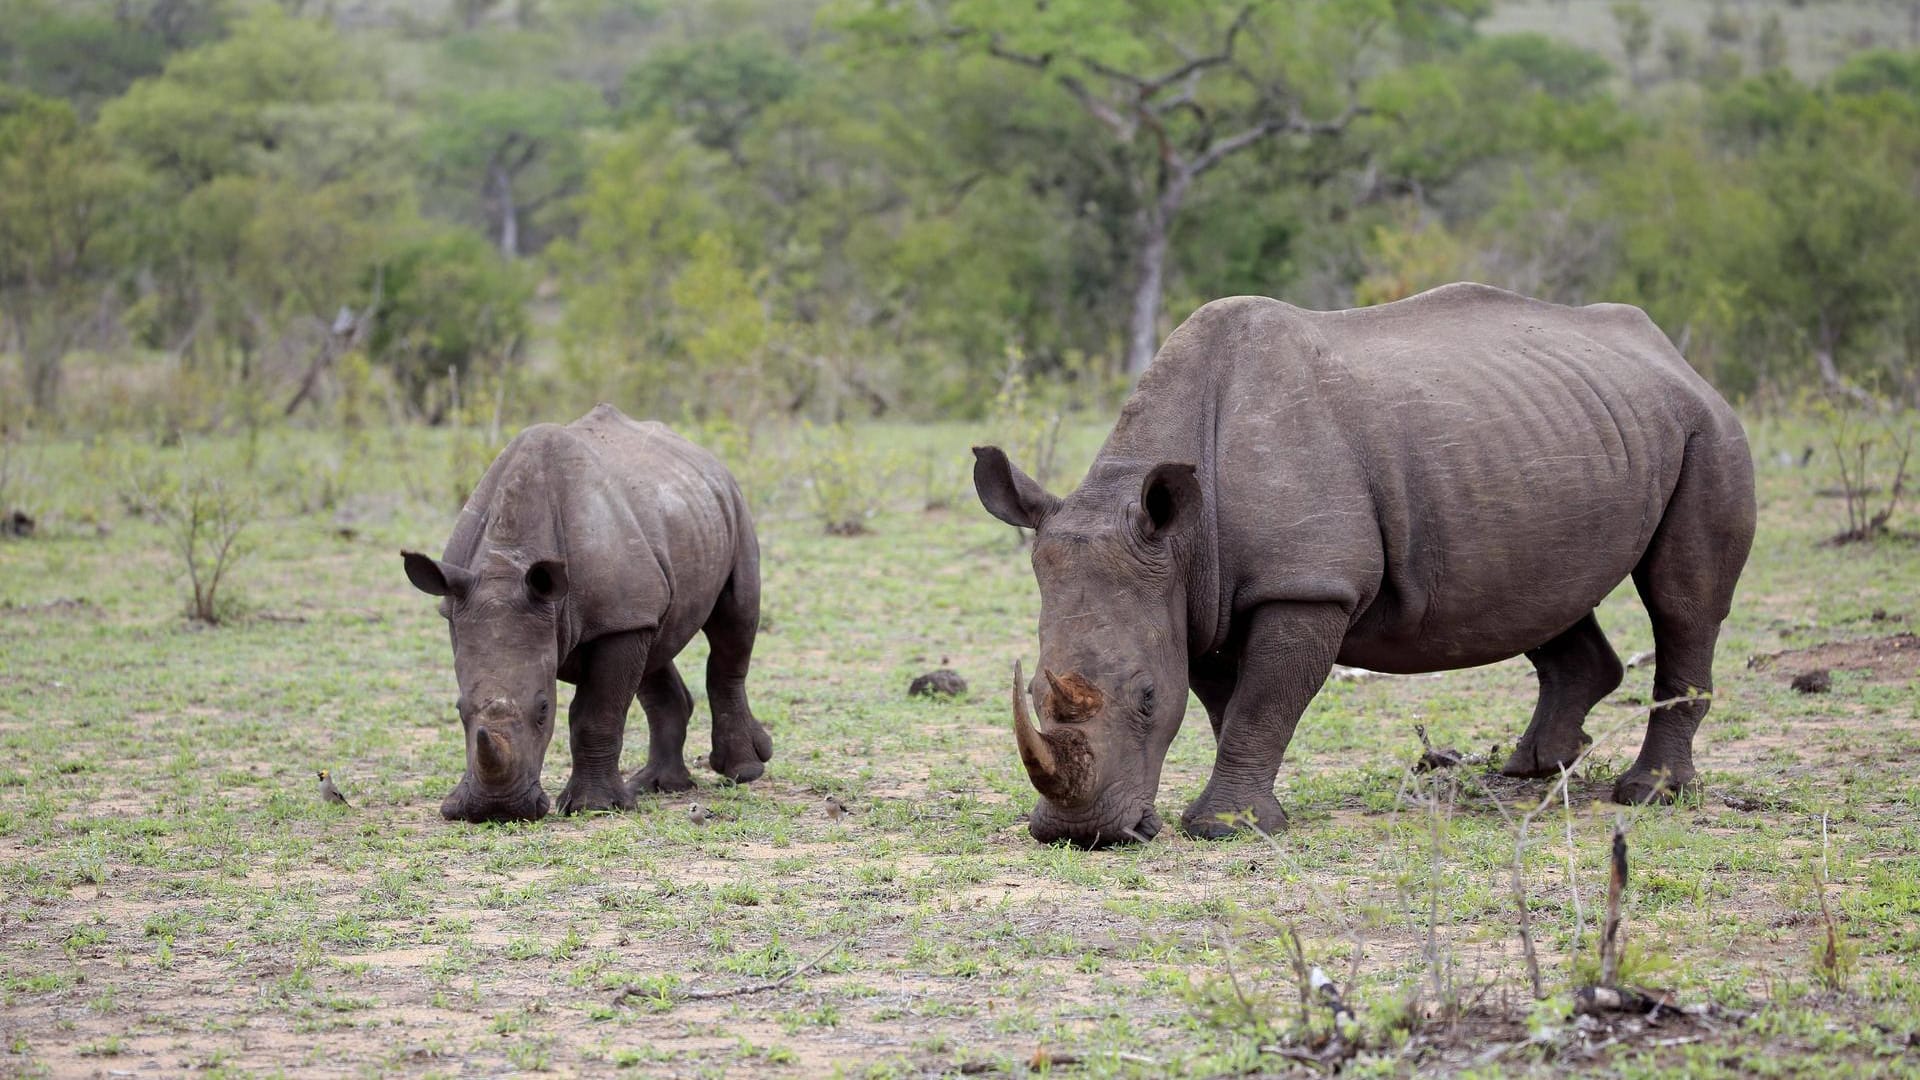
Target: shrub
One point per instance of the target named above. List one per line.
(446, 302)
(1865, 450)
(203, 517)
(845, 483)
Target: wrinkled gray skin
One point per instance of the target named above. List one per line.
(1437, 483)
(592, 553)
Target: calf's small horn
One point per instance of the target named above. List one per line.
(490, 752)
(1053, 775)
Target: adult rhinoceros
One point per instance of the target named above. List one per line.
(592, 552)
(1437, 483)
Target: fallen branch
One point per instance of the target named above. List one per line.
(631, 990)
(1597, 1000)
(1047, 1059)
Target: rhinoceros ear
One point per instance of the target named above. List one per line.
(547, 581)
(1006, 492)
(435, 578)
(1169, 498)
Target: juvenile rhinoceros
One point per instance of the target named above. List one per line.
(592, 553)
(1437, 483)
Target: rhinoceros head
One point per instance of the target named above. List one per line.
(1111, 564)
(505, 658)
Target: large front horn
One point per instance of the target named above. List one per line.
(1058, 762)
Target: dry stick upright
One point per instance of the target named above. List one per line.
(1616, 885)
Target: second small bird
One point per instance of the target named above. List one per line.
(329, 793)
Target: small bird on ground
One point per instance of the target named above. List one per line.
(835, 808)
(328, 792)
(698, 814)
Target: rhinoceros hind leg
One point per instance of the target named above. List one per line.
(596, 724)
(741, 746)
(1683, 675)
(1576, 669)
(664, 696)
(1686, 580)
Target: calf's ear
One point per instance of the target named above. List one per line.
(1169, 498)
(547, 581)
(1006, 492)
(435, 578)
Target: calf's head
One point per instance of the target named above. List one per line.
(505, 659)
(1111, 561)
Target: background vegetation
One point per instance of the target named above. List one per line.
(217, 212)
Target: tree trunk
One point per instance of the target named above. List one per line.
(509, 213)
(1823, 356)
(43, 379)
(1143, 324)
(1823, 348)
(43, 344)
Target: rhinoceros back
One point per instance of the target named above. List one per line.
(1472, 471)
(650, 525)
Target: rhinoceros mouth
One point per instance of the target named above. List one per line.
(1128, 823)
(465, 804)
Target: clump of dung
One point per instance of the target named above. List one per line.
(1813, 682)
(945, 681)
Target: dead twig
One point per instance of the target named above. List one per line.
(1444, 758)
(740, 991)
(1326, 902)
(1832, 959)
(1302, 977)
(1526, 918)
(1616, 885)
(1247, 1012)
(1573, 880)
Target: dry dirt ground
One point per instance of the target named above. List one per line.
(175, 898)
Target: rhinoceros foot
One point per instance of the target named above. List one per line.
(1546, 754)
(597, 793)
(740, 753)
(1652, 785)
(667, 778)
(1214, 817)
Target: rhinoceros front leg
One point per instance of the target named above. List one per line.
(1288, 652)
(663, 694)
(1212, 678)
(596, 724)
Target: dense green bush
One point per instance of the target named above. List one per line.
(445, 305)
(828, 211)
